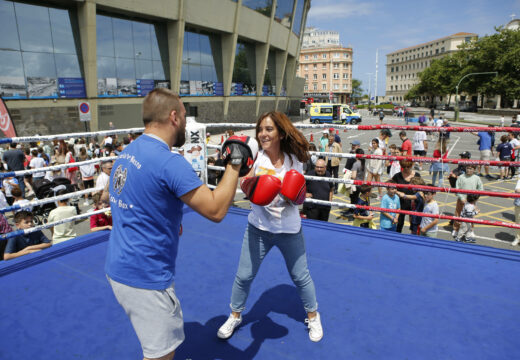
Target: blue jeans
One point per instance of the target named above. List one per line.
(440, 174)
(255, 246)
(21, 184)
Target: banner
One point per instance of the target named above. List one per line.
(6, 124)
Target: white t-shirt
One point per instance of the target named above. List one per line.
(439, 122)
(517, 188)
(65, 231)
(22, 203)
(37, 163)
(430, 208)
(418, 140)
(514, 143)
(102, 180)
(87, 171)
(279, 216)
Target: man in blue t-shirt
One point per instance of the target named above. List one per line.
(148, 188)
(486, 151)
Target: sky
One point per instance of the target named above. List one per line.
(368, 25)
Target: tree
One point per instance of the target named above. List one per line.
(357, 91)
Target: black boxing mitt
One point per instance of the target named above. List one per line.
(240, 150)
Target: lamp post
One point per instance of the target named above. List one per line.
(457, 90)
(369, 88)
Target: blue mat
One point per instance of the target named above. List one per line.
(381, 296)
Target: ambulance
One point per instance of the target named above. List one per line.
(331, 114)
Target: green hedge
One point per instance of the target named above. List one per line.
(380, 106)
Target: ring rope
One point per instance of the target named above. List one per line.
(34, 203)
(48, 225)
(24, 139)
(401, 186)
(55, 167)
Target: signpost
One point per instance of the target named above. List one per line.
(84, 113)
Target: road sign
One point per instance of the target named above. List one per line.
(84, 111)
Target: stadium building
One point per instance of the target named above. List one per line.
(230, 60)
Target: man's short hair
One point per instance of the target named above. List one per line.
(22, 215)
(158, 104)
(363, 189)
(402, 133)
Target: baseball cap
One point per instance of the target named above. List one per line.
(331, 129)
(355, 142)
(465, 154)
(325, 132)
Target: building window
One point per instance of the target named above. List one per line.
(345, 87)
(336, 55)
(262, 6)
(315, 76)
(315, 86)
(345, 76)
(324, 65)
(306, 57)
(336, 76)
(243, 70)
(345, 66)
(336, 66)
(283, 13)
(345, 55)
(436, 51)
(392, 69)
(306, 88)
(324, 56)
(324, 86)
(336, 86)
(306, 67)
(315, 56)
(306, 77)
(315, 66)
(442, 49)
(298, 15)
(324, 76)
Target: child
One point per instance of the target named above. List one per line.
(388, 220)
(395, 166)
(19, 200)
(65, 231)
(417, 205)
(373, 166)
(364, 218)
(27, 243)
(504, 150)
(428, 224)
(8, 184)
(437, 169)
(468, 181)
(101, 221)
(469, 211)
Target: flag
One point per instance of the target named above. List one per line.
(6, 124)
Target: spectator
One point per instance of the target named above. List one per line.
(504, 150)
(469, 211)
(70, 172)
(405, 177)
(104, 176)
(358, 173)
(444, 136)
(37, 163)
(417, 205)
(26, 243)
(15, 158)
(87, 172)
(420, 143)
(364, 218)
(406, 146)
(468, 181)
(212, 174)
(374, 166)
(429, 226)
(333, 162)
(406, 114)
(384, 137)
(65, 231)
(4, 229)
(337, 138)
(311, 163)
(486, 150)
(459, 170)
(324, 141)
(19, 200)
(355, 144)
(438, 169)
(388, 220)
(381, 116)
(516, 241)
(102, 221)
(393, 165)
(502, 121)
(320, 190)
(515, 144)
(7, 184)
(422, 119)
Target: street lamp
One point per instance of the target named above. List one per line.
(457, 90)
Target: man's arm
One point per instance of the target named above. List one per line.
(429, 226)
(28, 250)
(214, 204)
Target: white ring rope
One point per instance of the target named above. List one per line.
(72, 195)
(24, 139)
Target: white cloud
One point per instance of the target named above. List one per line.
(344, 9)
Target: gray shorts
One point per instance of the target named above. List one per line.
(156, 316)
(485, 154)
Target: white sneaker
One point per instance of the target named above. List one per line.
(315, 329)
(455, 233)
(226, 330)
(515, 242)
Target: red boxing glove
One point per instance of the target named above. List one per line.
(293, 187)
(261, 190)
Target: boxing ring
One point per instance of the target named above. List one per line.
(381, 295)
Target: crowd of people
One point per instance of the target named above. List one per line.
(21, 190)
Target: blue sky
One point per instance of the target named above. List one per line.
(367, 25)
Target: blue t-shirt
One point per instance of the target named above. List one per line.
(417, 206)
(485, 140)
(20, 242)
(146, 184)
(504, 150)
(388, 203)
